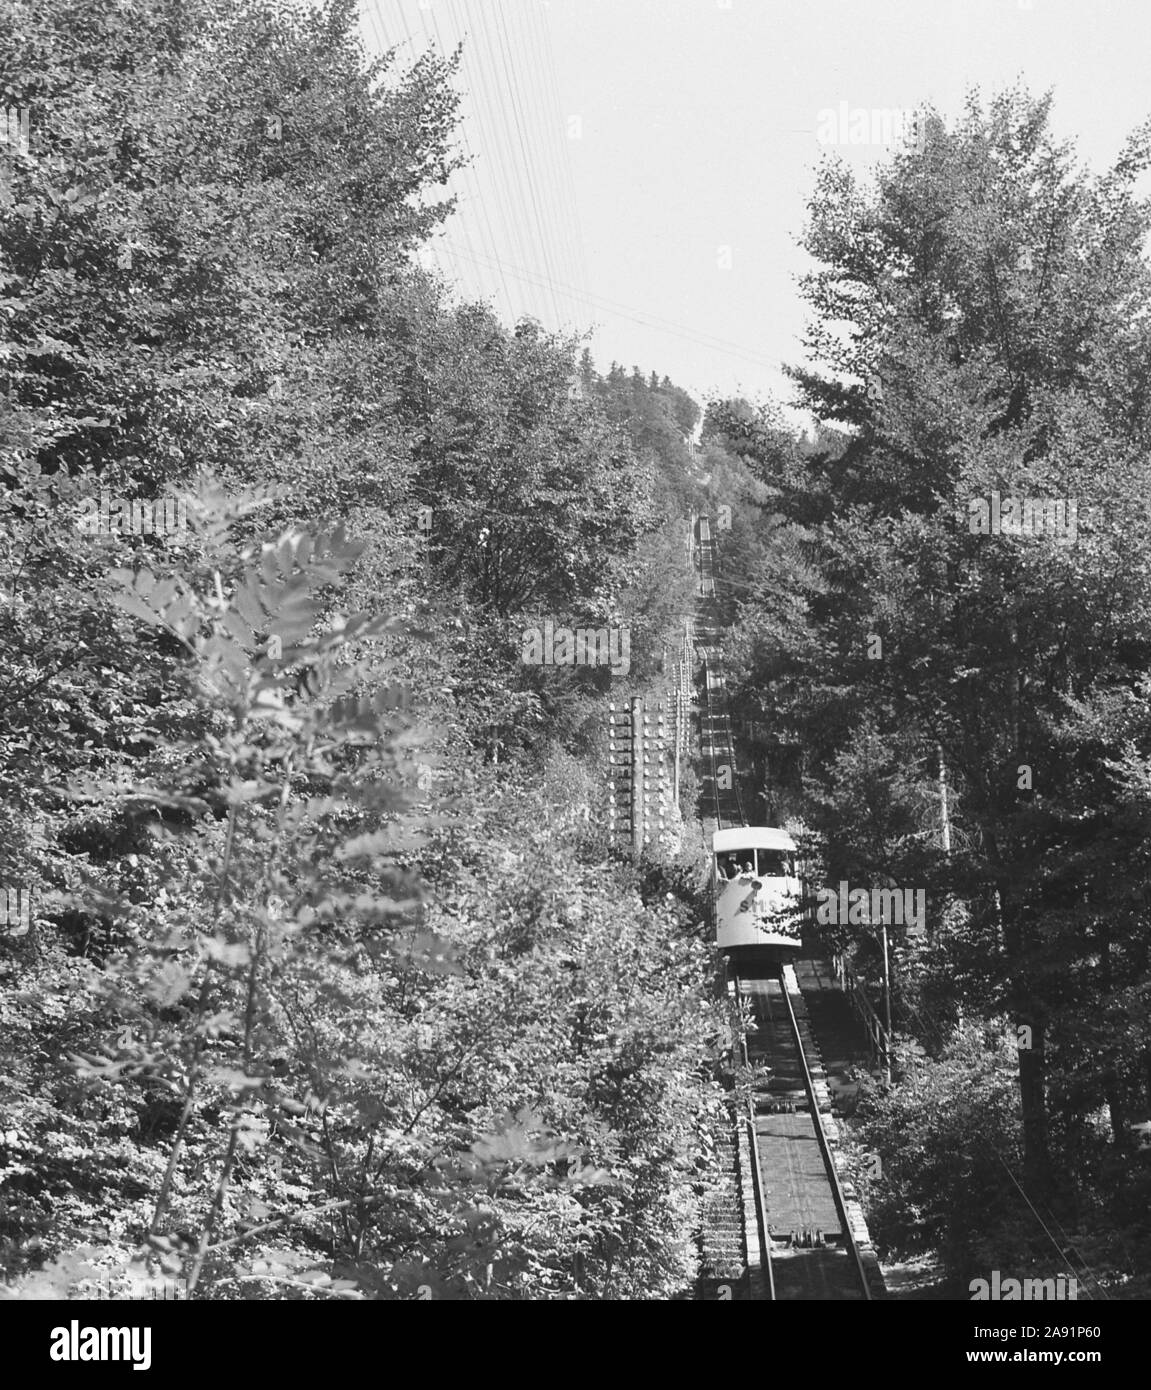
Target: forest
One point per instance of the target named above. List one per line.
(962, 709)
(320, 977)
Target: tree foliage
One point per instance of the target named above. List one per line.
(978, 333)
(321, 996)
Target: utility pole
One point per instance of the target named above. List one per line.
(943, 801)
(886, 1011)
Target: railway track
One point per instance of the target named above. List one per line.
(807, 1239)
(720, 787)
(800, 1236)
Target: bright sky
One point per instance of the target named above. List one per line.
(641, 167)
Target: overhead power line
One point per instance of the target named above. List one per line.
(650, 320)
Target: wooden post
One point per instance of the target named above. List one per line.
(886, 1011)
(943, 801)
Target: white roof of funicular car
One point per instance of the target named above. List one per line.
(751, 837)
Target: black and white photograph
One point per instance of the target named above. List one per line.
(576, 716)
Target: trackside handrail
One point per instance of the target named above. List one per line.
(756, 1171)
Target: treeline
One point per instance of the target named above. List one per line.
(947, 591)
(330, 985)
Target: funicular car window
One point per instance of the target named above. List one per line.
(729, 865)
(763, 863)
